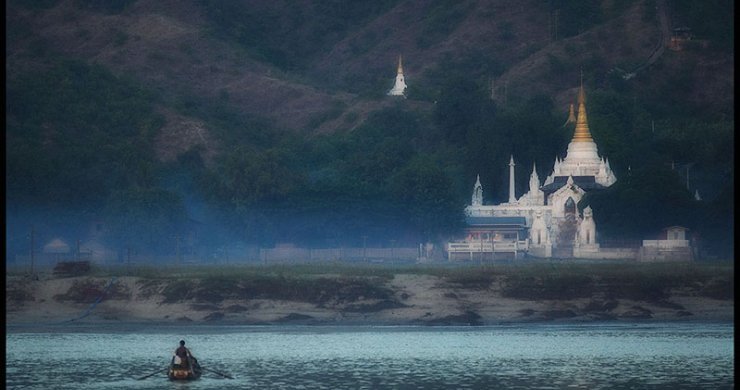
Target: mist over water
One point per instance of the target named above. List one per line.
(621, 356)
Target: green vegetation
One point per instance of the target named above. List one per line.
(231, 273)
(384, 173)
(289, 40)
(337, 282)
(254, 284)
(440, 20)
(80, 139)
(17, 292)
(712, 20)
(643, 193)
(650, 281)
(549, 287)
(90, 290)
(75, 133)
(35, 4)
(80, 136)
(575, 17)
(105, 6)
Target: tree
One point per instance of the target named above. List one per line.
(147, 219)
(462, 105)
(426, 196)
(642, 203)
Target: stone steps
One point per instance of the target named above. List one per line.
(563, 252)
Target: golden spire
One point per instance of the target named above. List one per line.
(400, 65)
(582, 134)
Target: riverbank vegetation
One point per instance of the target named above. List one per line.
(326, 293)
(316, 282)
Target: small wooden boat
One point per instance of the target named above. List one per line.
(189, 371)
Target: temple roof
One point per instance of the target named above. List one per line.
(586, 183)
(515, 222)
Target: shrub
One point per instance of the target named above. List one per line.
(719, 288)
(552, 286)
(90, 290)
(216, 290)
(178, 291)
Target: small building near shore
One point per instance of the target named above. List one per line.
(672, 244)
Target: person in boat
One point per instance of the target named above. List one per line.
(183, 356)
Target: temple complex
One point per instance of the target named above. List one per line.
(399, 87)
(543, 222)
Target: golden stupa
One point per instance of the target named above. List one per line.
(582, 134)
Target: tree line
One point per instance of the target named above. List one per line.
(80, 139)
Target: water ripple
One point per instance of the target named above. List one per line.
(544, 357)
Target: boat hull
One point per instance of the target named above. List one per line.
(182, 374)
(178, 372)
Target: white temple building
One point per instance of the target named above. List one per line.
(543, 222)
(399, 88)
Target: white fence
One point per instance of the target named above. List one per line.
(486, 246)
(606, 253)
(665, 244)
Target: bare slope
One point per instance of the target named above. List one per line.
(171, 46)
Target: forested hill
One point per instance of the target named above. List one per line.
(267, 121)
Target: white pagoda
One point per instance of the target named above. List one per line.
(399, 88)
(543, 222)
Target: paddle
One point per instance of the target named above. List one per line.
(155, 372)
(216, 372)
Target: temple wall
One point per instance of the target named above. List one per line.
(542, 251)
(605, 253)
(511, 211)
(665, 254)
(665, 244)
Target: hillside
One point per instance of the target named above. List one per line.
(290, 95)
(177, 48)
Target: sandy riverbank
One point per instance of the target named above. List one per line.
(399, 299)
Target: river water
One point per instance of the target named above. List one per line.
(540, 356)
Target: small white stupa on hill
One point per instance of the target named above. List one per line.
(399, 88)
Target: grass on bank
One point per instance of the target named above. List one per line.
(540, 280)
(462, 273)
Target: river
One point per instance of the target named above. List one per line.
(540, 356)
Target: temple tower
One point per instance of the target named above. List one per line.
(582, 158)
(512, 196)
(399, 87)
(477, 193)
(535, 196)
(582, 133)
(534, 180)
